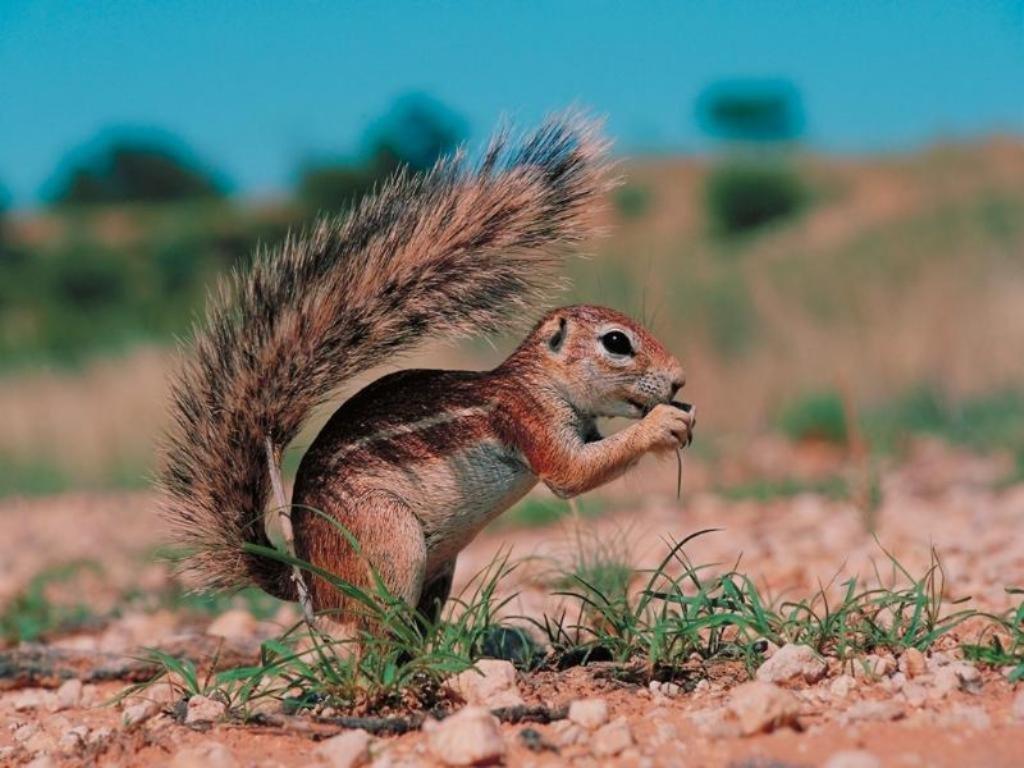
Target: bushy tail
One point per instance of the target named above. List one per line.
(456, 250)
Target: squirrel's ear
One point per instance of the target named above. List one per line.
(558, 337)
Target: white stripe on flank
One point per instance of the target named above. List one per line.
(417, 426)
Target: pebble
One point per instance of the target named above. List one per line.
(970, 716)
(235, 624)
(209, 755)
(790, 663)
(612, 738)
(32, 698)
(915, 694)
(841, 686)
(913, 663)
(490, 683)
(853, 758)
(589, 713)
(73, 739)
(879, 711)
(202, 709)
(69, 694)
(762, 707)
(1018, 706)
(872, 667)
(469, 737)
(565, 733)
(140, 712)
(347, 750)
(24, 732)
(40, 741)
(956, 676)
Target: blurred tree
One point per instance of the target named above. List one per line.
(754, 185)
(742, 195)
(751, 111)
(125, 170)
(5, 202)
(415, 132)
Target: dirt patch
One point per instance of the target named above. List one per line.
(895, 708)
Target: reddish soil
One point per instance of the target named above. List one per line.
(937, 498)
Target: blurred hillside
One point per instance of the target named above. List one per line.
(885, 291)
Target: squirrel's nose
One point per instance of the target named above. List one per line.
(676, 385)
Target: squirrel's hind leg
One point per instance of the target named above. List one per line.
(436, 590)
(390, 541)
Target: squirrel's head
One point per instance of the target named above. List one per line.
(605, 363)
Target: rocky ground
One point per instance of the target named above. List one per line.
(902, 709)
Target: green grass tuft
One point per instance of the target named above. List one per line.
(818, 416)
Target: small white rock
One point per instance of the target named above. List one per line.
(209, 755)
(1018, 706)
(347, 750)
(879, 711)
(202, 709)
(469, 737)
(956, 676)
(491, 683)
(841, 686)
(915, 694)
(24, 732)
(792, 662)
(853, 758)
(138, 713)
(73, 739)
(32, 698)
(589, 713)
(872, 667)
(969, 716)
(69, 694)
(565, 733)
(762, 707)
(612, 738)
(913, 663)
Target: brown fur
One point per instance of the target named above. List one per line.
(454, 251)
(419, 461)
(416, 464)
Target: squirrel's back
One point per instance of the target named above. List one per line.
(457, 250)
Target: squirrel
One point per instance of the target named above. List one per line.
(419, 461)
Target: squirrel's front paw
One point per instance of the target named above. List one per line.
(669, 427)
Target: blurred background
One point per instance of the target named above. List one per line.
(822, 214)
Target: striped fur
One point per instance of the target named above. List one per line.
(457, 250)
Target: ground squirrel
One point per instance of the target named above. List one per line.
(419, 461)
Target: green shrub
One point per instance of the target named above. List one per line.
(818, 416)
(632, 201)
(743, 196)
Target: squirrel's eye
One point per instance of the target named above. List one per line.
(617, 343)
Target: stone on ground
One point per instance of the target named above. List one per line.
(589, 713)
(69, 694)
(1018, 706)
(202, 709)
(792, 662)
(612, 738)
(853, 758)
(469, 737)
(762, 707)
(491, 683)
(346, 750)
(211, 754)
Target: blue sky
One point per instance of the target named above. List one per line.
(256, 87)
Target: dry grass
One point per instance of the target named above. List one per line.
(903, 272)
